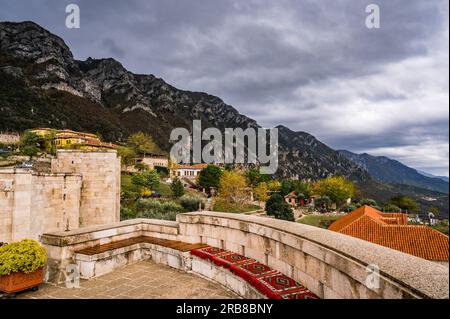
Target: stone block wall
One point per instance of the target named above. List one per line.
(55, 203)
(31, 204)
(15, 204)
(82, 189)
(100, 196)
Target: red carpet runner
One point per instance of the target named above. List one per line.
(267, 281)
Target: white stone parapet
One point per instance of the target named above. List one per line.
(329, 264)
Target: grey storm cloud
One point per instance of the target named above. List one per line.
(311, 65)
(115, 50)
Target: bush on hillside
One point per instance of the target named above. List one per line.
(177, 188)
(154, 209)
(277, 207)
(191, 203)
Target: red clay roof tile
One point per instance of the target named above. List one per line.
(391, 230)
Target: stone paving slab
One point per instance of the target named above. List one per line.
(143, 280)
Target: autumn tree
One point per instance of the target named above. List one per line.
(261, 191)
(232, 188)
(127, 154)
(142, 143)
(273, 185)
(337, 188)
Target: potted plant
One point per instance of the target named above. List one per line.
(21, 266)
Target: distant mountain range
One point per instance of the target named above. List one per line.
(444, 178)
(42, 85)
(390, 171)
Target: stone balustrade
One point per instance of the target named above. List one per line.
(330, 264)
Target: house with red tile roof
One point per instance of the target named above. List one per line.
(392, 230)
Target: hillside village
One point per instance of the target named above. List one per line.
(153, 186)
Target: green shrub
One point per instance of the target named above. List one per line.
(26, 256)
(323, 203)
(191, 203)
(154, 209)
(177, 188)
(368, 202)
(149, 179)
(223, 206)
(209, 177)
(163, 189)
(127, 213)
(348, 208)
(277, 207)
(392, 208)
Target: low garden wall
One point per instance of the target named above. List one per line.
(330, 264)
(61, 246)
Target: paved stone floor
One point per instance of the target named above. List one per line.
(144, 280)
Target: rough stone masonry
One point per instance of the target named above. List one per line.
(83, 189)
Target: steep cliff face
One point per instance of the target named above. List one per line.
(42, 85)
(303, 155)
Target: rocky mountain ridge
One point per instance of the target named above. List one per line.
(42, 67)
(387, 170)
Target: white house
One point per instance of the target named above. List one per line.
(187, 171)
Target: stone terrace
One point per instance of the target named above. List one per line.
(329, 264)
(143, 280)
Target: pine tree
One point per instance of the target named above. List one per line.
(177, 188)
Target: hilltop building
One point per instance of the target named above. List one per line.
(152, 161)
(296, 201)
(7, 138)
(155, 160)
(68, 139)
(392, 230)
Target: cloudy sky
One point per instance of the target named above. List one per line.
(311, 65)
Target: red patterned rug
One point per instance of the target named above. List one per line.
(266, 280)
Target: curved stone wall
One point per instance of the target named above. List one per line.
(330, 264)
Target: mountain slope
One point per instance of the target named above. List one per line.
(43, 85)
(427, 199)
(444, 178)
(391, 171)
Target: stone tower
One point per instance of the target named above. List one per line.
(100, 191)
